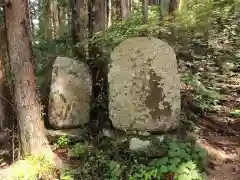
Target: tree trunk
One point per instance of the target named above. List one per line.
(98, 14)
(62, 13)
(116, 10)
(4, 101)
(180, 6)
(145, 11)
(32, 132)
(2, 97)
(31, 14)
(96, 24)
(109, 13)
(165, 5)
(45, 19)
(79, 20)
(55, 18)
(2, 118)
(173, 7)
(125, 9)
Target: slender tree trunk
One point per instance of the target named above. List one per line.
(45, 19)
(116, 10)
(125, 9)
(151, 2)
(165, 5)
(62, 15)
(173, 7)
(3, 85)
(2, 117)
(96, 21)
(32, 132)
(55, 19)
(31, 14)
(131, 5)
(98, 13)
(69, 17)
(145, 11)
(96, 24)
(2, 97)
(180, 6)
(79, 24)
(109, 10)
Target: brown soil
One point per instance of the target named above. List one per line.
(219, 133)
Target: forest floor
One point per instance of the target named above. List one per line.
(218, 131)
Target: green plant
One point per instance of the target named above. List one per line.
(182, 162)
(194, 12)
(63, 141)
(235, 112)
(204, 97)
(79, 149)
(32, 168)
(133, 27)
(68, 173)
(111, 161)
(113, 170)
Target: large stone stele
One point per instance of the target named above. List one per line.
(144, 86)
(70, 93)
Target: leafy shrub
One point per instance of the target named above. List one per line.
(79, 150)
(32, 168)
(235, 113)
(68, 173)
(194, 12)
(183, 160)
(204, 97)
(63, 141)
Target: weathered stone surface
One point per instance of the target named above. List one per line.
(69, 101)
(136, 144)
(72, 134)
(144, 86)
(147, 147)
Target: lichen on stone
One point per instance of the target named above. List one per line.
(144, 86)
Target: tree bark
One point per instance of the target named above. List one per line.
(116, 10)
(173, 7)
(180, 5)
(165, 7)
(32, 132)
(109, 13)
(62, 13)
(125, 9)
(98, 14)
(45, 19)
(78, 26)
(2, 46)
(2, 97)
(96, 24)
(145, 11)
(55, 18)
(31, 17)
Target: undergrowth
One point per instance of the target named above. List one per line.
(235, 112)
(184, 161)
(204, 97)
(32, 168)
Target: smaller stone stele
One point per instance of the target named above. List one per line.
(70, 94)
(144, 86)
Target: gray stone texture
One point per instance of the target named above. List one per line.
(144, 86)
(69, 101)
